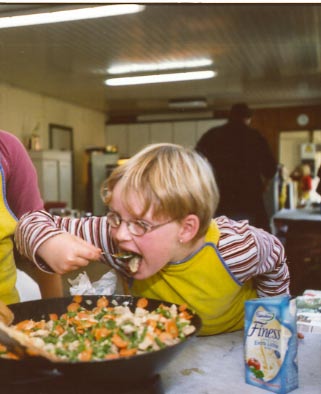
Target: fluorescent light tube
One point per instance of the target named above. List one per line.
(187, 103)
(69, 15)
(157, 78)
(171, 116)
(134, 68)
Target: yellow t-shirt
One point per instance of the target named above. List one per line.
(205, 284)
(8, 273)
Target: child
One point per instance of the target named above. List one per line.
(161, 203)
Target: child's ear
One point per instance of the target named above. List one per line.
(189, 228)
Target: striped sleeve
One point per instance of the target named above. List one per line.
(252, 253)
(35, 228)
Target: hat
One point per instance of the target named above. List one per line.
(240, 111)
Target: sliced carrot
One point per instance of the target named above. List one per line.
(102, 332)
(102, 302)
(73, 307)
(171, 328)
(32, 352)
(119, 342)
(40, 324)
(87, 323)
(82, 315)
(182, 307)
(77, 298)
(185, 315)
(25, 325)
(59, 329)
(127, 352)
(85, 355)
(142, 303)
(53, 316)
(111, 356)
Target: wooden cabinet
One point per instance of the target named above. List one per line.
(138, 137)
(300, 231)
(54, 169)
(184, 133)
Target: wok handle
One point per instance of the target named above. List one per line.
(42, 376)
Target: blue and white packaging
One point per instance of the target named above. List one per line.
(270, 344)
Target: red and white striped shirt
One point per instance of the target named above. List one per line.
(248, 252)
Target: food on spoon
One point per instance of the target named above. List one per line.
(134, 263)
(107, 332)
(131, 258)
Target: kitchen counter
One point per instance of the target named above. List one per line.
(302, 214)
(214, 365)
(300, 232)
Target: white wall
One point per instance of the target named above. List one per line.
(21, 111)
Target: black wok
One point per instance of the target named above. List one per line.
(130, 369)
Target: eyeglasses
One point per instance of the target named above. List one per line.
(136, 227)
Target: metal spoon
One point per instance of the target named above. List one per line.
(121, 255)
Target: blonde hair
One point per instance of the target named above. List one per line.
(172, 180)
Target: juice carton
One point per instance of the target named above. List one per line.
(270, 344)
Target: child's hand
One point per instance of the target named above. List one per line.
(66, 252)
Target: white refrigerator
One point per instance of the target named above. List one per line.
(100, 166)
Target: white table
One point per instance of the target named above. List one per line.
(214, 365)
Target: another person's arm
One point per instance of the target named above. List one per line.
(252, 253)
(23, 195)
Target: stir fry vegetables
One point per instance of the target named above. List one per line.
(107, 332)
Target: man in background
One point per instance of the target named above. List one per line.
(243, 165)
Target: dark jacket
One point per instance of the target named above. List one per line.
(241, 160)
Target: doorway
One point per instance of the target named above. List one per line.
(291, 144)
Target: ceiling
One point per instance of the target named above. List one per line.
(266, 55)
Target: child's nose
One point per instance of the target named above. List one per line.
(122, 232)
